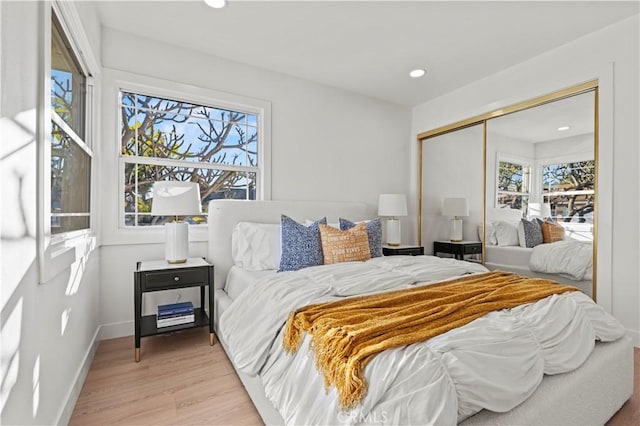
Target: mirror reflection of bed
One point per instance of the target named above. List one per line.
(541, 168)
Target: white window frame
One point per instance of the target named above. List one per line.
(210, 103)
(57, 252)
(114, 231)
(505, 158)
(582, 231)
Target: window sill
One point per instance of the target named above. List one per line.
(150, 235)
(63, 251)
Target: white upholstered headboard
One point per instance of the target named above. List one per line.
(225, 214)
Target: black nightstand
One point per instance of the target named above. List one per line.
(158, 275)
(458, 249)
(402, 250)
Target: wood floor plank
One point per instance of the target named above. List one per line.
(181, 379)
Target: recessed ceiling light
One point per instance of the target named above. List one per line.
(563, 128)
(216, 4)
(417, 73)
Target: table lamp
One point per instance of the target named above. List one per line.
(392, 206)
(172, 198)
(455, 208)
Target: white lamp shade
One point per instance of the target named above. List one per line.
(455, 207)
(539, 210)
(216, 4)
(392, 205)
(171, 198)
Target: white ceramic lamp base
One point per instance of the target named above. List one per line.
(455, 229)
(393, 232)
(176, 242)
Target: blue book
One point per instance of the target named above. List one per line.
(175, 308)
(172, 316)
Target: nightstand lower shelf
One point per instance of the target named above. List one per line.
(148, 325)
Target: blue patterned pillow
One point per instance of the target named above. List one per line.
(374, 233)
(301, 245)
(529, 233)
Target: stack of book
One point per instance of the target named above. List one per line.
(175, 314)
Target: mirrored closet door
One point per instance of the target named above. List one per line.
(452, 171)
(540, 167)
(527, 174)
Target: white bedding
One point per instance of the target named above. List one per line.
(433, 382)
(568, 257)
(240, 279)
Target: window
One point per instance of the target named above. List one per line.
(513, 185)
(169, 139)
(70, 154)
(569, 189)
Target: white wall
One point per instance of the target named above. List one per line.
(48, 330)
(610, 55)
(327, 144)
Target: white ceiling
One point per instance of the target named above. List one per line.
(540, 124)
(369, 47)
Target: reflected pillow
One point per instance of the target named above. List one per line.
(506, 233)
(529, 233)
(350, 245)
(490, 230)
(301, 246)
(552, 232)
(374, 232)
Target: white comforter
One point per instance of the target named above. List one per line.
(569, 257)
(494, 362)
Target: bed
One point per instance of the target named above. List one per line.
(569, 261)
(518, 259)
(589, 394)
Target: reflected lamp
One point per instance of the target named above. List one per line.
(455, 208)
(392, 206)
(171, 198)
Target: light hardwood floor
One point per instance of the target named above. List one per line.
(181, 380)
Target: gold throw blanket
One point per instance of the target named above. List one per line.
(347, 334)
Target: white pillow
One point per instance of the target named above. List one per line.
(256, 246)
(490, 230)
(506, 233)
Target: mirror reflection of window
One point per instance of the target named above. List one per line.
(545, 155)
(513, 185)
(569, 190)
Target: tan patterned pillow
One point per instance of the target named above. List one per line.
(552, 232)
(344, 246)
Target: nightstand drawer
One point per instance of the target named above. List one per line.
(472, 248)
(443, 247)
(175, 278)
(402, 251)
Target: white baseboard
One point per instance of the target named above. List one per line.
(74, 392)
(116, 329)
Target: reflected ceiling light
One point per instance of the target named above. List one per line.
(216, 4)
(563, 128)
(417, 73)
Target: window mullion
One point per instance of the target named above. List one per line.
(69, 132)
(155, 161)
